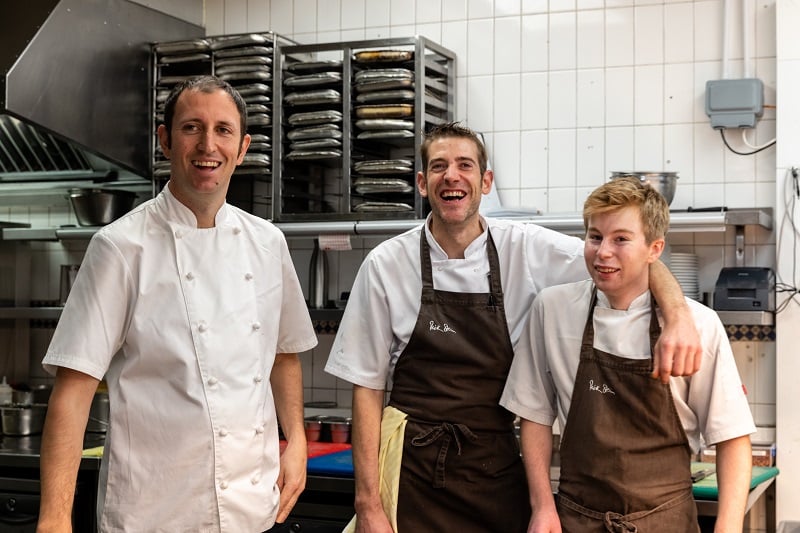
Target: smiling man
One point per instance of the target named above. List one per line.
(585, 359)
(433, 315)
(192, 312)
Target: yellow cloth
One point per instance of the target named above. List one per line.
(393, 427)
(93, 452)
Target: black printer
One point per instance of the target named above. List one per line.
(745, 289)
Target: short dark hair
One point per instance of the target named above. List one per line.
(206, 84)
(452, 129)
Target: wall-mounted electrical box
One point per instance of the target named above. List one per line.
(734, 103)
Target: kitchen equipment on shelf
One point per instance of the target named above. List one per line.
(99, 411)
(318, 278)
(745, 289)
(98, 207)
(6, 393)
(68, 275)
(663, 182)
(684, 267)
(23, 419)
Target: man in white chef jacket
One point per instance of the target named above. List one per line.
(192, 312)
(585, 358)
(434, 313)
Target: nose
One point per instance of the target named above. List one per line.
(206, 142)
(604, 248)
(451, 172)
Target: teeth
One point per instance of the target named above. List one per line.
(453, 194)
(606, 270)
(209, 164)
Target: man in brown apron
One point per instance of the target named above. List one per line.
(625, 463)
(625, 456)
(459, 450)
(460, 468)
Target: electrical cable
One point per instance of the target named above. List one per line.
(792, 195)
(724, 140)
(747, 143)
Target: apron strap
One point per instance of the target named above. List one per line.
(447, 432)
(615, 522)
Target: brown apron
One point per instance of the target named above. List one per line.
(624, 455)
(461, 469)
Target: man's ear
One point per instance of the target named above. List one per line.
(163, 139)
(656, 248)
(486, 181)
(422, 184)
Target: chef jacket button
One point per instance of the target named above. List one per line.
(248, 276)
(237, 230)
(223, 432)
(256, 326)
(178, 234)
(259, 430)
(258, 378)
(202, 326)
(212, 381)
(189, 276)
(439, 269)
(223, 485)
(255, 480)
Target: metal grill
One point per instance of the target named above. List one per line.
(25, 149)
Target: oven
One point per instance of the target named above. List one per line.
(19, 505)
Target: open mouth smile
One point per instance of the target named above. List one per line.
(206, 164)
(449, 196)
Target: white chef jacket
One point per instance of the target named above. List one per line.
(385, 299)
(711, 404)
(184, 323)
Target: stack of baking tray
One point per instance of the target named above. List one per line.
(312, 133)
(245, 61)
(175, 62)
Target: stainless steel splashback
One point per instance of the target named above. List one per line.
(76, 78)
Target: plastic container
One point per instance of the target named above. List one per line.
(6, 393)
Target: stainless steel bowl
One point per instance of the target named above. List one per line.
(23, 419)
(663, 182)
(98, 207)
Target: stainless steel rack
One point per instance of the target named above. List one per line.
(246, 61)
(419, 73)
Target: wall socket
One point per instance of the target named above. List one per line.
(734, 103)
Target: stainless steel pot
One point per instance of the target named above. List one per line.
(23, 420)
(663, 182)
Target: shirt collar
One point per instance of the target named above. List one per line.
(475, 247)
(179, 213)
(641, 301)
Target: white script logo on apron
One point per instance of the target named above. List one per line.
(443, 328)
(604, 389)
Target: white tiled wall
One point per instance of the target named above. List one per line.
(565, 91)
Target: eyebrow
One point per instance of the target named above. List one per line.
(459, 159)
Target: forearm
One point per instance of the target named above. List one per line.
(667, 291)
(734, 465)
(537, 449)
(62, 445)
(287, 389)
(366, 438)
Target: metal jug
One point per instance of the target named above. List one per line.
(318, 278)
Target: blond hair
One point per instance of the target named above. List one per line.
(630, 192)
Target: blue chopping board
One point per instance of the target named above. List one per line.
(333, 464)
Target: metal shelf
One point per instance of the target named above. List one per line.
(32, 313)
(572, 223)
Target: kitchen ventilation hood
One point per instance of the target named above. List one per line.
(75, 86)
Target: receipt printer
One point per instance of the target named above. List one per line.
(745, 289)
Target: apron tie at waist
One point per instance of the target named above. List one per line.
(447, 432)
(617, 523)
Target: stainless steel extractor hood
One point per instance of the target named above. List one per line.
(75, 78)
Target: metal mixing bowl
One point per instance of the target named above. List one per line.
(98, 207)
(663, 182)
